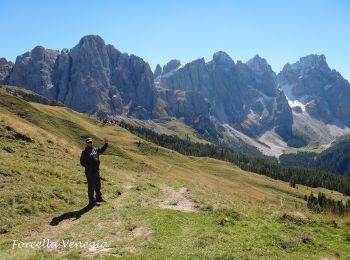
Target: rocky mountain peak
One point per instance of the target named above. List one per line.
(171, 65)
(313, 60)
(307, 65)
(158, 71)
(265, 77)
(320, 91)
(306, 76)
(33, 70)
(236, 95)
(96, 78)
(259, 65)
(4, 61)
(222, 57)
(5, 69)
(91, 40)
(40, 52)
(92, 77)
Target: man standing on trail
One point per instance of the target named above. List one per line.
(90, 160)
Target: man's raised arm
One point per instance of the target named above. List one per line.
(104, 147)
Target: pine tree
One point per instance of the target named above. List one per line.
(292, 182)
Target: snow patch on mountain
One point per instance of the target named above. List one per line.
(294, 101)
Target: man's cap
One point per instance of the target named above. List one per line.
(88, 140)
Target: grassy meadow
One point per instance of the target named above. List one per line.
(234, 214)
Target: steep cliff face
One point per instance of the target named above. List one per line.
(188, 106)
(244, 96)
(158, 71)
(92, 77)
(245, 102)
(5, 69)
(34, 70)
(312, 87)
(171, 65)
(265, 77)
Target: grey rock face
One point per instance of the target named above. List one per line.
(96, 78)
(33, 70)
(5, 69)
(189, 106)
(282, 116)
(243, 96)
(324, 92)
(62, 75)
(92, 77)
(266, 79)
(158, 71)
(171, 65)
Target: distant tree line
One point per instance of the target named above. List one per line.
(321, 204)
(334, 159)
(263, 166)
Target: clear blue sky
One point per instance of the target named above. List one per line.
(281, 31)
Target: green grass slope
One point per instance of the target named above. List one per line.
(223, 213)
(168, 126)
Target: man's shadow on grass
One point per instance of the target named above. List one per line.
(73, 214)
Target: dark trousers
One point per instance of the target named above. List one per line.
(94, 185)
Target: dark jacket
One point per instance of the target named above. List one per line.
(90, 158)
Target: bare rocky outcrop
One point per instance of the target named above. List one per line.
(33, 70)
(171, 65)
(189, 106)
(5, 69)
(265, 77)
(321, 92)
(92, 77)
(158, 71)
(243, 96)
(96, 78)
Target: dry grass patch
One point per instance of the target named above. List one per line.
(178, 200)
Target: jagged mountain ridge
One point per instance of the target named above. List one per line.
(323, 92)
(96, 78)
(318, 115)
(5, 69)
(223, 100)
(92, 77)
(237, 94)
(319, 98)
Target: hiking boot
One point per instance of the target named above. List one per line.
(100, 200)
